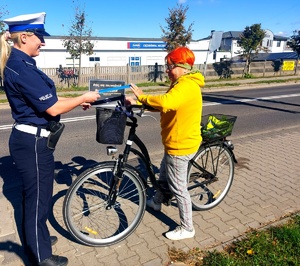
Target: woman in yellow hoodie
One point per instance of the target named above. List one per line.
(181, 109)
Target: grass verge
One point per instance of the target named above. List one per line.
(276, 246)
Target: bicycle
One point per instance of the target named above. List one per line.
(106, 203)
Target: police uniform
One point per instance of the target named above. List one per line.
(30, 93)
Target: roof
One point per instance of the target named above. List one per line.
(237, 34)
(271, 56)
(112, 38)
(232, 34)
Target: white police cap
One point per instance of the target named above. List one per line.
(30, 22)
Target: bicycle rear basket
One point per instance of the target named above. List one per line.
(216, 126)
(110, 126)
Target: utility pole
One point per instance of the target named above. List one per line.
(211, 34)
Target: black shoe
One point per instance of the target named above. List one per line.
(53, 240)
(54, 261)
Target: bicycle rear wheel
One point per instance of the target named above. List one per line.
(84, 208)
(208, 189)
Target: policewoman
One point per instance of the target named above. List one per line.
(36, 109)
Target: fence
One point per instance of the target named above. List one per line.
(157, 73)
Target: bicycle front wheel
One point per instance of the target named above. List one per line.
(85, 210)
(210, 176)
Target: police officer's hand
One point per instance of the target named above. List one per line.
(89, 98)
(85, 106)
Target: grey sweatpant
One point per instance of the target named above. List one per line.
(173, 170)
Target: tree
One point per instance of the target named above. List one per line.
(251, 43)
(79, 40)
(3, 12)
(294, 44)
(175, 34)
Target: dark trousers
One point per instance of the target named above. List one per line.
(35, 164)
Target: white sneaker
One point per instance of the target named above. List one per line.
(155, 206)
(180, 233)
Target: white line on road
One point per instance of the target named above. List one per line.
(80, 118)
(63, 120)
(253, 100)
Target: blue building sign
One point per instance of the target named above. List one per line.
(146, 45)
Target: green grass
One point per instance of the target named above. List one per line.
(158, 84)
(276, 246)
(72, 88)
(3, 101)
(222, 85)
(69, 95)
(277, 81)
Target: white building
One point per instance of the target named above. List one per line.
(107, 52)
(229, 43)
(121, 51)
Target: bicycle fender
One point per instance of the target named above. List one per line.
(232, 154)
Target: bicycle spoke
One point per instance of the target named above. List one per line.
(87, 217)
(210, 177)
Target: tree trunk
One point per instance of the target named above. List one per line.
(247, 66)
(297, 62)
(79, 72)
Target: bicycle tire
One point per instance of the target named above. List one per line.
(218, 160)
(84, 212)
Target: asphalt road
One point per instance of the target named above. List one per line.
(260, 194)
(258, 110)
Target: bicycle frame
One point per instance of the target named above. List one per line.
(143, 154)
(207, 175)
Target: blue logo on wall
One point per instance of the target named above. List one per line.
(146, 45)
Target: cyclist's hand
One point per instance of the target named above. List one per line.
(129, 101)
(136, 90)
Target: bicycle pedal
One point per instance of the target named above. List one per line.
(167, 202)
(167, 199)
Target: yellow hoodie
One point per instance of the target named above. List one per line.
(180, 114)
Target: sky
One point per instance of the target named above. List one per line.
(144, 18)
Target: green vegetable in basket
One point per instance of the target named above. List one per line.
(217, 127)
(214, 122)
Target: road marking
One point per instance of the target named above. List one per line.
(252, 100)
(63, 120)
(80, 118)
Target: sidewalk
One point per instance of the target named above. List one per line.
(265, 189)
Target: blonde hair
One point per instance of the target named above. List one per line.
(5, 50)
(5, 47)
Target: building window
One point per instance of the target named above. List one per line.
(134, 61)
(278, 43)
(94, 59)
(215, 55)
(269, 43)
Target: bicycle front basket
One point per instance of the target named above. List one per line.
(216, 126)
(110, 126)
